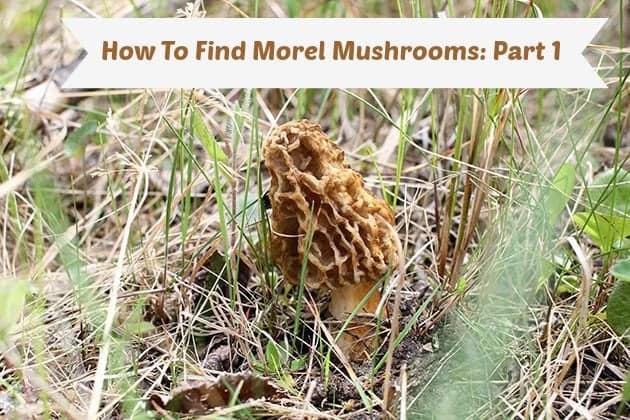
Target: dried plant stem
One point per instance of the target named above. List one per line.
(585, 285)
(99, 379)
(443, 232)
(395, 320)
(491, 148)
(460, 250)
(403, 392)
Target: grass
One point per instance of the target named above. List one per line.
(134, 237)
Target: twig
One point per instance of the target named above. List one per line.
(403, 392)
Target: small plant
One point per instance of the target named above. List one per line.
(607, 221)
(618, 308)
(280, 364)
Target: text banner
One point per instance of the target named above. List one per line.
(334, 53)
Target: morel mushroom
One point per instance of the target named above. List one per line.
(353, 244)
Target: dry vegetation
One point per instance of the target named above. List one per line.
(136, 276)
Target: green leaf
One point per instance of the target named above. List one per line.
(12, 299)
(200, 131)
(273, 356)
(607, 232)
(276, 356)
(559, 192)
(77, 140)
(298, 364)
(621, 270)
(625, 393)
(618, 309)
(611, 189)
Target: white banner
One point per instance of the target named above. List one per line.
(334, 53)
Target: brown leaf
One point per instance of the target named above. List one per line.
(200, 397)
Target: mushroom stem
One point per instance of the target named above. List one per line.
(358, 340)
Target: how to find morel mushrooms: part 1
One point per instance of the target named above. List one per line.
(353, 244)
